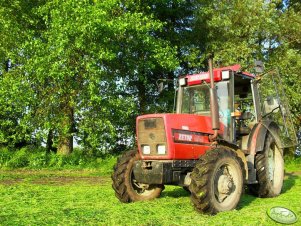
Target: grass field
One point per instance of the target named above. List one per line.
(85, 197)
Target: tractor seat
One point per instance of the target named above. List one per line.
(242, 128)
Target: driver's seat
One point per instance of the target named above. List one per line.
(242, 129)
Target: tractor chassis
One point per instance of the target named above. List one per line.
(163, 172)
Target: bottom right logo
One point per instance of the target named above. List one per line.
(282, 215)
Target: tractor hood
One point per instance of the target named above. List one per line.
(173, 136)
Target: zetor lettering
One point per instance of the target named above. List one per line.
(185, 137)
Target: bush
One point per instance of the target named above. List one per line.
(5, 156)
(19, 159)
(37, 158)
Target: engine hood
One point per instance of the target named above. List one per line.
(187, 136)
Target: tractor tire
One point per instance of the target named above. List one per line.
(124, 184)
(269, 166)
(186, 189)
(217, 181)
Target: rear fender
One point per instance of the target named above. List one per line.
(274, 129)
(258, 135)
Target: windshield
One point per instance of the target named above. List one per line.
(196, 100)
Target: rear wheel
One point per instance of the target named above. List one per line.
(127, 189)
(217, 181)
(269, 166)
(186, 188)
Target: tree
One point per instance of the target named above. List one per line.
(242, 31)
(17, 24)
(287, 56)
(85, 69)
(75, 61)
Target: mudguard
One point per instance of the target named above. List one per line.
(258, 135)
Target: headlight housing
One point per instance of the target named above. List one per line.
(161, 149)
(146, 149)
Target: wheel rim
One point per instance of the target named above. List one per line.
(140, 188)
(226, 185)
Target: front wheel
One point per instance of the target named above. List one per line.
(127, 189)
(217, 181)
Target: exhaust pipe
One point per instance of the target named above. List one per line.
(213, 103)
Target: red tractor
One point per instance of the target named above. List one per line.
(225, 134)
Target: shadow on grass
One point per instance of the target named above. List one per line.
(176, 193)
(248, 197)
(245, 200)
(289, 182)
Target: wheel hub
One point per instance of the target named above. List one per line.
(225, 184)
(141, 186)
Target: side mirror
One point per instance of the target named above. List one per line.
(270, 101)
(258, 66)
(160, 84)
(271, 105)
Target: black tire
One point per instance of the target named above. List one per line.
(186, 189)
(269, 166)
(217, 181)
(126, 189)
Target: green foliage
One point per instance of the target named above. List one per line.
(37, 158)
(86, 69)
(292, 163)
(14, 112)
(75, 59)
(238, 32)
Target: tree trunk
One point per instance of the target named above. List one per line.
(7, 65)
(49, 143)
(65, 145)
(142, 97)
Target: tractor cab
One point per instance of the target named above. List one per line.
(244, 103)
(234, 96)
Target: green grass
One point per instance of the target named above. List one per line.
(85, 197)
(293, 163)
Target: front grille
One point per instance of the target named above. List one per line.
(151, 132)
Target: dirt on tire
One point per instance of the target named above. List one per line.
(203, 186)
(123, 181)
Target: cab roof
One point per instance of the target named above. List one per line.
(218, 75)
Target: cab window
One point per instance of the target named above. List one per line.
(196, 100)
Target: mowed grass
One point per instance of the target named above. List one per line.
(85, 197)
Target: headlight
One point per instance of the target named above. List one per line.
(225, 75)
(146, 149)
(161, 149)
(182, 81)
